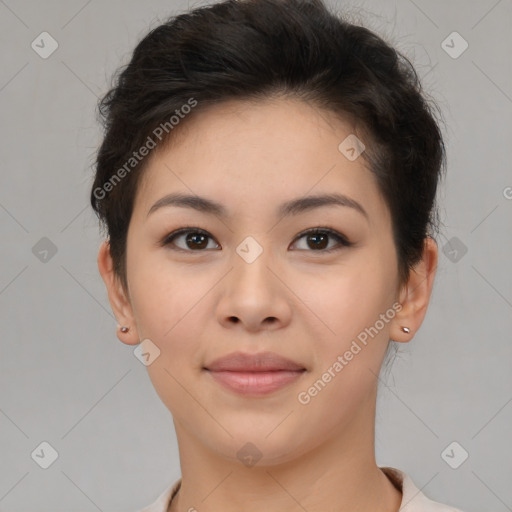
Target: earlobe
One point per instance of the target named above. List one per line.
(415, 295)
(129, 339)
(121, 307)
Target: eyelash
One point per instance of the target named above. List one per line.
(343, 242)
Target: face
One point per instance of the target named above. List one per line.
(253, 280)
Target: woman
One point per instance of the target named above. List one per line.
(267, 180)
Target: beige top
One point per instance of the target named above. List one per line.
(413, 500)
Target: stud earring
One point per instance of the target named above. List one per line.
(406, 329)
(124, 329)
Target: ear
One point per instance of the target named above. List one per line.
(415, 294)
(117, 296)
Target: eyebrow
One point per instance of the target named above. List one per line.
(293, 207)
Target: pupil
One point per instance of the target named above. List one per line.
(321, 246)
(192, 236)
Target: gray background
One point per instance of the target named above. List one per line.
(67, 380)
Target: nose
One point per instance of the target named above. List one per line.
(254, 296)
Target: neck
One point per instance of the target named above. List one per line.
(340, 474)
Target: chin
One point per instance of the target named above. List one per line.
(252, 447)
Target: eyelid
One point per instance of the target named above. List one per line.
(343, 241)
(169, 238)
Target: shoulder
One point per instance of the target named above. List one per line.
(161, 504)
(413, 500)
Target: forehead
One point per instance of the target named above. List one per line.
(251, 154)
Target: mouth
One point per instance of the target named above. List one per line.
(254, 374)
(255, 383)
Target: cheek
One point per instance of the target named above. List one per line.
(168, 310)
(161, 294)
(344, 297)
(349, 308)
(349, 352)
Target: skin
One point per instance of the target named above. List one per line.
(294, 299)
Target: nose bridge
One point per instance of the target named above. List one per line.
(252, 294)
(251, 261)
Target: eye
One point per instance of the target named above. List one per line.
(320, 236)
(196, 239)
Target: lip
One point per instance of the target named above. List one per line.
(254, 374)
(258, 362)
